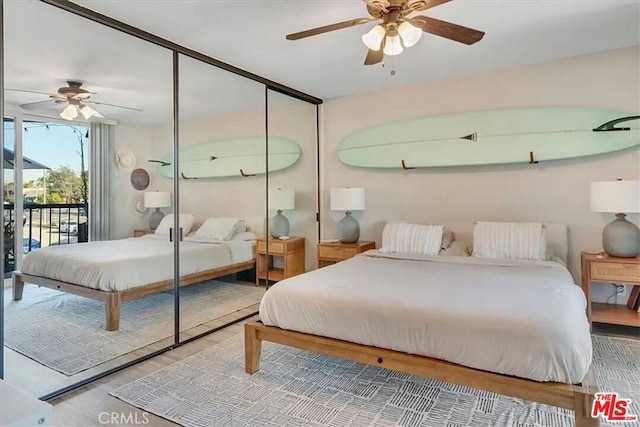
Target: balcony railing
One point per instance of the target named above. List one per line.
(43, 225)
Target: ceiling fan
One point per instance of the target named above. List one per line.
(74, 97)
(397, 29)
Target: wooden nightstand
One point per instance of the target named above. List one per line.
(330, 253)
(606, 269)
(285, 258)
(139, 232)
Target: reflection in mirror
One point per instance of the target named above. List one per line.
(222, 193)
(99, 306)
(292, 190)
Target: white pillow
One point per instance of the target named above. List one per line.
(245, 236)
(415, 239)
(520, 240)
(218, 228)
(186, 223)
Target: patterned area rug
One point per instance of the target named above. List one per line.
(298, 388)
(66, 332)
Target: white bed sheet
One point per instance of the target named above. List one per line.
(514, 317)
(117, 265)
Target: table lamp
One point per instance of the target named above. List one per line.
(281, 199)
(620, 238)
(348, 199)
(156, 199)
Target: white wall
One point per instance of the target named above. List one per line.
(554, 192)
(124, 218)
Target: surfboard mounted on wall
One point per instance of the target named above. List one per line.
(231, 157)
(491, 137)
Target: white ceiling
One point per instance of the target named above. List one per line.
(45, 46)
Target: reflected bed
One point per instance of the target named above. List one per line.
(118, 270)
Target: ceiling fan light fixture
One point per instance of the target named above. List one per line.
(409, 34)
(88, 112)
(70, 112)
(373, 39)
(393, 46)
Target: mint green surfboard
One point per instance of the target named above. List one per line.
(232, 157)
(518, 135)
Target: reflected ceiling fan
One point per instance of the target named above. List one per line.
(397, 29)
(76, 99)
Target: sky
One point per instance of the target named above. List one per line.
(55, 146)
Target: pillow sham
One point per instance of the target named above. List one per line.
(186, 223)
(519, 240)
(245, 236)
(218, 228)
(448, 236)
(408, 238)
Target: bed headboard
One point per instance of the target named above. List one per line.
(557, 239)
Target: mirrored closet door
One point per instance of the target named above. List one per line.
(222, 188)
(83, 180)
(292, 193)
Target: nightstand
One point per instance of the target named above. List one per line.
(139, 232)
(607, 269)
(331, 253)
(285, 258)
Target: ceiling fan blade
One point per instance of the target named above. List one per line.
(374, 57)
(447, 30)
(28, 91)
(112, 105)
(420, 5)
(327, 28)
(38, 105)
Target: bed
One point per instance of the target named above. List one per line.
(515, 327)
(114, 271)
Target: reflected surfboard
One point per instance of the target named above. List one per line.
(232, 157)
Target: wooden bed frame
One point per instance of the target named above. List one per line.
(113, 300)
(579, 398)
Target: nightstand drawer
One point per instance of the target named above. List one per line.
(336, 252)
(275, 248)
(612, 271)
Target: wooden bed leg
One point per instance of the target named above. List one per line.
(18, 287)
(583, 401)
(582, 407)
(112, 311)
(252, 349)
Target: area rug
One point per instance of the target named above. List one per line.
(66, 332)
(298, 388)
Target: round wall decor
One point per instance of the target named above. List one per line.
(139, 179)
(125, 159)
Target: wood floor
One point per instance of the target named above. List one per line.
(84, 406)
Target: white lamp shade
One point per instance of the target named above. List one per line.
(393, 46)
(70, 112)
(615, 196)
(282, 199)
(157, 199)
(373, 39)
(347, 199)
(409, 34)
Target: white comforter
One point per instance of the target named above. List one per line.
(116, 265)
(520, 318)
